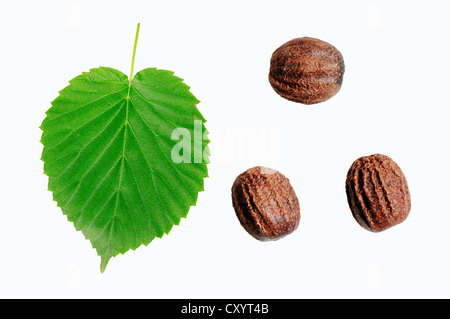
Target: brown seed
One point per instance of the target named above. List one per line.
(377, 192)
(265, 203)
(306, 70)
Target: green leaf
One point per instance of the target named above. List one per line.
(109, 155)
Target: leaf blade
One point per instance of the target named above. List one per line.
(107, 152)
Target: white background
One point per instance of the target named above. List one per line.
(394, 101)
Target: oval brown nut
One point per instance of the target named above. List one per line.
(306, 70)
(265, 203)
(377, 192)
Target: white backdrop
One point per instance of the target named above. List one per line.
(393, 101)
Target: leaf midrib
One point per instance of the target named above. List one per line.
(125, 125)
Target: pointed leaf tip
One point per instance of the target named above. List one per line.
(104, 263)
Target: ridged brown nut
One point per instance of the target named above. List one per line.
(306, 70)
(377, 192)
(265, 203)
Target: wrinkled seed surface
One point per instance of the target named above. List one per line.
(377, 192)
(265, 203)
(306, 70)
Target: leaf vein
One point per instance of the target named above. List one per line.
(87, 104)
(153, 178)
(139, 192)
(85, 124)
(165, 92)
(155, 109)
(164, 154)
(84, 147)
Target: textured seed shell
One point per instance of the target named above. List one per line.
(377, 192)
(306, 70)
(265, 203)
